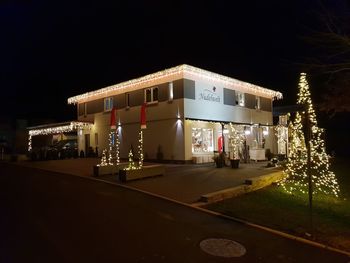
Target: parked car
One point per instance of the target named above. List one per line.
(63, 149)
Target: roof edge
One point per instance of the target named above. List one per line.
(171, 72)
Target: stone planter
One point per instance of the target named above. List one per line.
(144, 172)
(234, 163)
(108, 169)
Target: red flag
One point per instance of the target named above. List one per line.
(143, 116)
(113, 118)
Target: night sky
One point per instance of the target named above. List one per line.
(54, 50)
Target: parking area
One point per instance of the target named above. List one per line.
(185, 183)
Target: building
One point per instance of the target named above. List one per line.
(189, 112)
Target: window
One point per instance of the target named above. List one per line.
(202, 140)
(127, 100)
(239, 98)
(85, 109)
(171, 91)
(257, 102)
(108, 104)
(96, 139)
(151, 95)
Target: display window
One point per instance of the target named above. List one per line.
(202, 140)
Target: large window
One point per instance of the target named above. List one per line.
(151, 95)
(239, 98)
(202, 140)
(127, 100)
(171, 91)
(85, 109)
(257, 102)
(108, 104)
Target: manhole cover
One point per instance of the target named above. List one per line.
(221, 247)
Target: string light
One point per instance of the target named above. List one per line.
(171, 74)
(103, 159)
(296, 179)
(281, 132)
(131, 165)
(140, 149)
(113, 150)
(236, 140)
(72, 126)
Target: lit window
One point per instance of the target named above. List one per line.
(127, 100)
(239, 98)
(171, 91)
(85, 109)
(202, 140)
(151, 95)
(257, 102)
(96, 139)
(108, 104)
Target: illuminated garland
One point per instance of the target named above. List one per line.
(323, 179)
(113, 150)
(171, 74)
(72, 126)
(117, 149)
(140, 149)
(110, 150)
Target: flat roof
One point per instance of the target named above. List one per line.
(55, 128)
(171, 74)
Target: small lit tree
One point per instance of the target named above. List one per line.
(236, 141)
(323, 179)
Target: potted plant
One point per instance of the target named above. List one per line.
(219, 160)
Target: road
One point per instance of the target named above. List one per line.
(52, 217)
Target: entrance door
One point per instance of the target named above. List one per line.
(87, 144)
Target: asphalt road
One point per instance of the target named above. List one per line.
(51, 217)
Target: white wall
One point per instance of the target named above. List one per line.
(164, 130)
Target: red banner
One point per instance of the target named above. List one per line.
(113, 118)
(143, 116)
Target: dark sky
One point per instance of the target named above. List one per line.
(52, 50)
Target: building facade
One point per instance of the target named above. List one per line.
(190, 115)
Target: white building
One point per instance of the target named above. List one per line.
(188, 112)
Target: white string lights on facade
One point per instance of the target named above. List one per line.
(172, 74)
(72, 126)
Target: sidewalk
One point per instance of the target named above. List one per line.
(184, 183)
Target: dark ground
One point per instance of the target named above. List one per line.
(52, 217)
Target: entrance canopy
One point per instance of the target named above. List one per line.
(55, 128)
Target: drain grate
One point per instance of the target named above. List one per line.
(221, 247)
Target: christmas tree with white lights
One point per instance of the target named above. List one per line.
(296, 170)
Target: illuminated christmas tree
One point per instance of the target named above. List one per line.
(236, 141)
(296, 169)
(103, 159)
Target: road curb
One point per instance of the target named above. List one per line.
(267, 229)
(264, 228)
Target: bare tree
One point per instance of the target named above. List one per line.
(330, 42)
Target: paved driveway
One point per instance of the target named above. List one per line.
(185, 183)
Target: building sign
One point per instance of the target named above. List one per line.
(212, 94)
